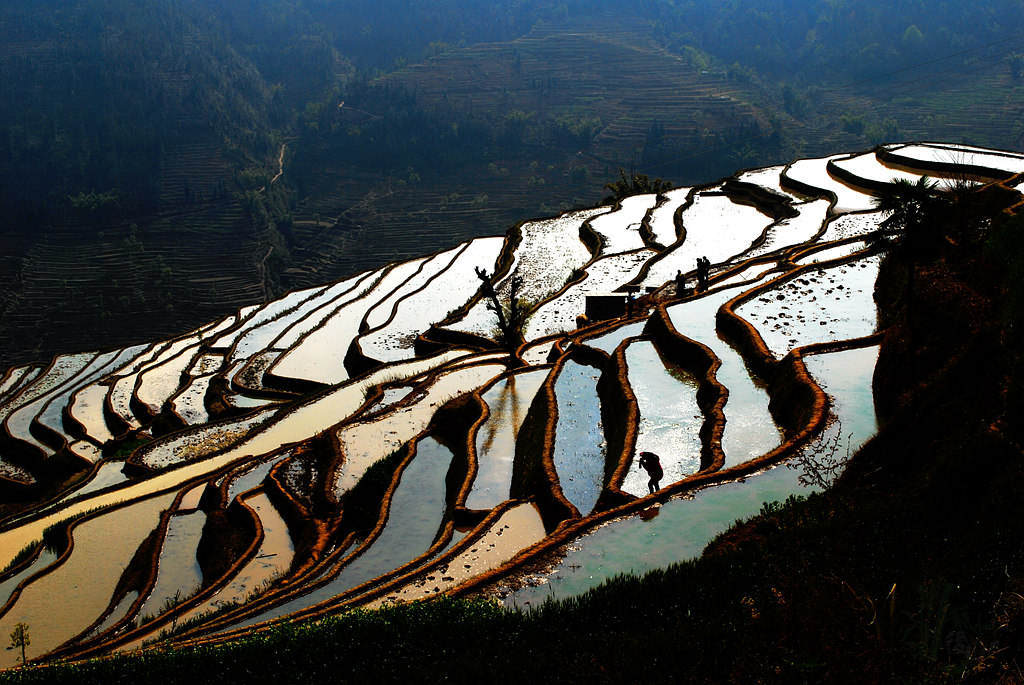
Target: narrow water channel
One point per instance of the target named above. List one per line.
(670, 419)
(580, 445)
(750, 430)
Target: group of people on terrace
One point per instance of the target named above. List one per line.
(703, 275)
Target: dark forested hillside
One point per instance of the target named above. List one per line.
(139, 137)
(103, 93)
(847, 39)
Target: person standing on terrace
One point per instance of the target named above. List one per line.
(651, 462)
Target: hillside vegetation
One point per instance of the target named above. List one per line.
(460, 119)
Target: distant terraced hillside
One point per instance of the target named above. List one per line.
(611, 71)
(564, 109)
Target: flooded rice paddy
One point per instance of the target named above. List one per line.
(85, 581)
(620, 229)
(603, 276)
(549, 254)
(670, 419)
(580, 446)
(822, 305)
(814, 173)
(680, 529)
(285, 427)
(507, 401)
(749, 428)
(662, 217)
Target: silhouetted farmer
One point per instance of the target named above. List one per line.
(703, 273)
(650, 462)
(680, 284)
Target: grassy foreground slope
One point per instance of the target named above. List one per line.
(911, 569)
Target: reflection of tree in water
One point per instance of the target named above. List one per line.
(504, 410)
(824, 460)
(507, 402)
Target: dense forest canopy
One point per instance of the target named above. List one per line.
(102, 87)
(814, 41)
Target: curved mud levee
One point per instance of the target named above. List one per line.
(250, 381)
(452, 424)
(72, 426)
(502, 267)
(867, 185)
(19, 452)
(805, 189)
(646, 232)
(666, 250)
(139, 577)
(774, 205)
(816, 413)
(376, 582)
(107, 546)
(436, 339)
(51, 475)
(48, 435)
(711, 395)
(236, 528)
(591, 239)
(890, 156)
(240, 516)
(295, 386)
(620, 415)
(745, 336)
(190, 444)
(800, 253)
(308, 531)
(117, 425)
(12, 490)
(455, 425)
(795, 401)
(357, 363)
(220, 524)
(533, 475)
(167, 421)
(362, 515)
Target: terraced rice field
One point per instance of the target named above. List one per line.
(368, 441)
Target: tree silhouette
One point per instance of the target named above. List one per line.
(913, 209)
(511, 317)
(20, 639)
(635, 184)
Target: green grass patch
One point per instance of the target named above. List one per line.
(55, 536)
(125, 449)
(20, 558)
